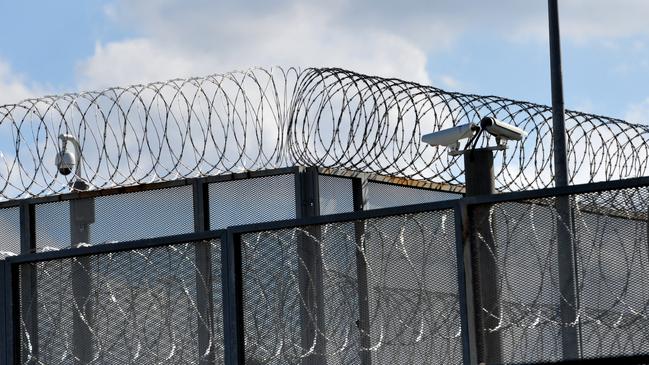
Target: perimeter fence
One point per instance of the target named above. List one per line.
(464, 281)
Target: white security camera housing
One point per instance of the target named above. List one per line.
(69, 160)
(502, 130)
(66, 162)
(450, 137)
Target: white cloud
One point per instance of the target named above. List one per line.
(638, 112)
(134, 61)
(589, 20)
(180, 41)
(395, 39)
(583, 21)
(13, 87)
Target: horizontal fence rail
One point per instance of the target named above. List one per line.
(465, 281)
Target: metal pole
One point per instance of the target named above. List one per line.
(466, 294)
(204, 278)
(558, 124)
(11, 352)
(565, 246)
(359, 186)
(82, 214)
(233, 324)
(5, 329)
(310, 270)
(479, 175)
(28, 309)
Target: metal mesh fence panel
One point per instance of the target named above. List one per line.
(613, 268)
(52, 224)
(255, 200)
(129, 307)
(120, 217)
(412, 275)
(382, 195)
(383, 288)
(9, 231)
(336, 195)
(608, 232)
(145, 214)
(527, 318)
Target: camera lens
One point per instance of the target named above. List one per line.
(65, 170)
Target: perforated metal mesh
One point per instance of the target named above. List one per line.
(382, 195)
(611, 230)
(141, 307)
(145, 214)
(255, 200)
(120, 217)
(296, 306)
(525, 238)
(52, 222)
(9, 231)
(609, 234)
(336, 195)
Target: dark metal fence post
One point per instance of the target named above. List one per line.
(568, 299)
(5, 328)
(28, 323)
(82, 215)
(359, 188)
(310, 269)
(233, 326)
(480, 180)
(204, 279)
(12, 314)
(465, 285)
(565, 243)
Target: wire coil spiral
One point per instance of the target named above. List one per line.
(268, 118)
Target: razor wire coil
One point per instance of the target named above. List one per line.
(268, 118)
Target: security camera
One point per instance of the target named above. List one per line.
(450, 137)
(502, 130)
(69, 160)
(66, 161)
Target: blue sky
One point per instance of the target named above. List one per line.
(473, 46)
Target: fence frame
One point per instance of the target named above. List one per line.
(231, 248)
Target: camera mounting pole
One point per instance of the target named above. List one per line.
(480, 180)
(82, 215)
(484, 295)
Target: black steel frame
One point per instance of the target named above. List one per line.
(231, 251)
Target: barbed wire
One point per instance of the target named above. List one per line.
(268, 118)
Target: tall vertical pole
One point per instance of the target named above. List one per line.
(480, 180)
(558, 124)
(204, 277)
(11, 351)
(565, 246)
(310, 270)
(28, 309)
(233, 326)
(359, 188)
(82, 215)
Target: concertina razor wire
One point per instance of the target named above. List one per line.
(268, 118)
